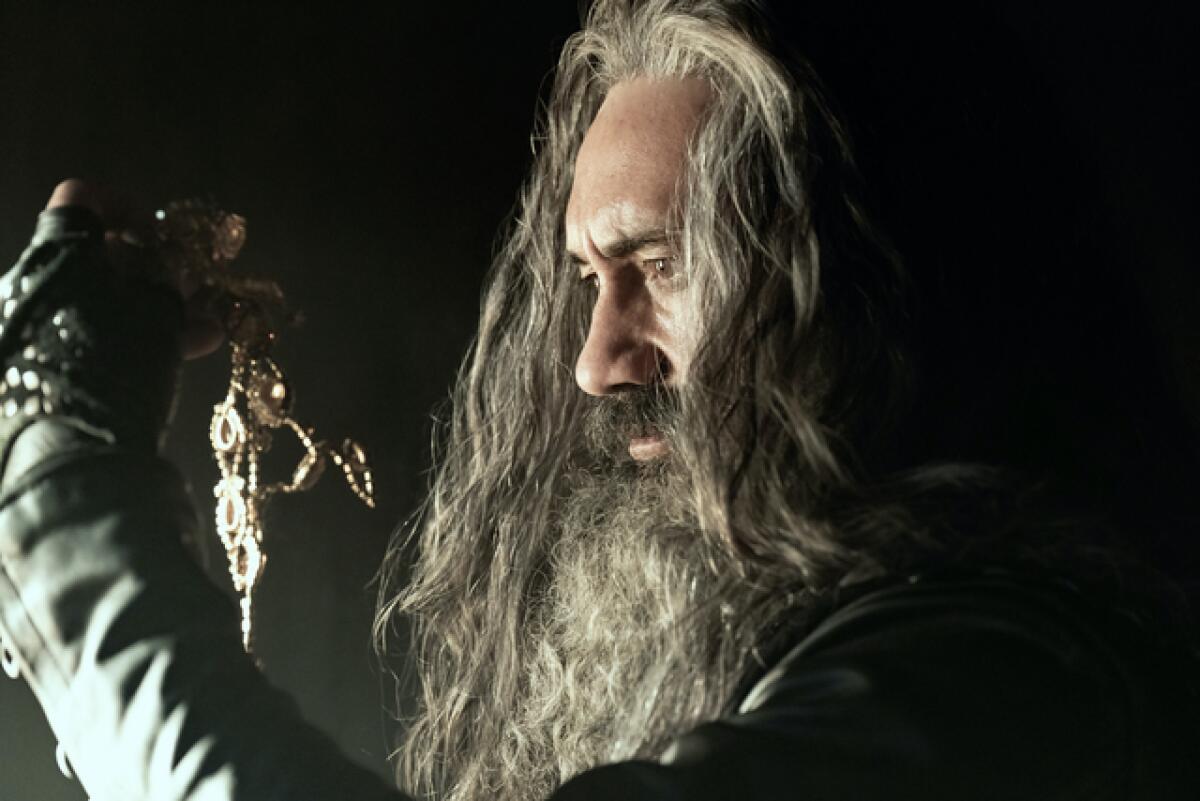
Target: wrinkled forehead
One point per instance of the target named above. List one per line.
(633, 155)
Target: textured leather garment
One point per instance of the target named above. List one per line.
(989, 686)
(986, 686)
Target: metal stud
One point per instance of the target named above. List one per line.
(64, 764)
(9, 661)
(30, 379)
(10, 306)
(33, 405)
(13, 376)
(26, 284)
(11, 407)
(227, 430)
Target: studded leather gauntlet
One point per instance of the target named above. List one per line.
(84, 342)
(133, 653)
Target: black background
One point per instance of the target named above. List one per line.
(375, 155)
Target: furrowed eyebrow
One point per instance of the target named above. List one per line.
(626, 245)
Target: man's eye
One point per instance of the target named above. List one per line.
(663, 266)
(590, 281)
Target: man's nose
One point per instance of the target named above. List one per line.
(620, 352)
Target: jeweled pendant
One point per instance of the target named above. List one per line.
(226, 432)
(231, 508)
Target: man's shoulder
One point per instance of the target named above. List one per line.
(995, 684)
(997, 672)
(1077, 623)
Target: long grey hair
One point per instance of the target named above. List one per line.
(798, 372)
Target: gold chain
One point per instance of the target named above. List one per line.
(198, 239)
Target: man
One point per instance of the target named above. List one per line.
(673, 572)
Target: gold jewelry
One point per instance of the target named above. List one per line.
(199, 240)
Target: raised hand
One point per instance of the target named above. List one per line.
(127, 234)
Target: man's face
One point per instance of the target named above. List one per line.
(626, 181)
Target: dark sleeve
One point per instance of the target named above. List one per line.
(133, 653)
(982, 689)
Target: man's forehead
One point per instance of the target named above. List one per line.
(622, 220)
(631, 159)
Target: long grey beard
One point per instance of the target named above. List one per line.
(632, 644)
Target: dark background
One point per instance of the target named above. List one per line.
(1034, 165)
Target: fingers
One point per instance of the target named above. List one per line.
(203, 331)
(202, 337)
(127, 236)
(125, 224)
(116, 211)
(74, 192)
(128, 231)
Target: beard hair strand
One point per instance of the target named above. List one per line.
(642, 630)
